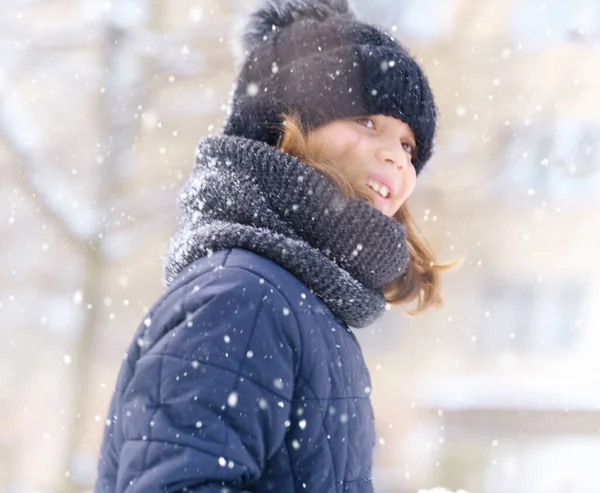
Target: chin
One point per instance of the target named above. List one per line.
(382, 205)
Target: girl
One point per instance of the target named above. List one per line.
(246, 375)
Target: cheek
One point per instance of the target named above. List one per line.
(342, 146)
(411, 184)
(408, 187)
(337, 138)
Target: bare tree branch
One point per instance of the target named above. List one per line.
(21, 142)
(66, 38)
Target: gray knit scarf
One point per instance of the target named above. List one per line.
(247, 194)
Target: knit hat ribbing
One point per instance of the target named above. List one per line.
(314, 58)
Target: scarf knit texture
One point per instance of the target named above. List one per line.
(247, 194)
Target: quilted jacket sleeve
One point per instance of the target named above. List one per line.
(208, 402)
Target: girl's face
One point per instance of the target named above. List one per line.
(376, 150)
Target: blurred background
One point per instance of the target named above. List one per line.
(101, 106)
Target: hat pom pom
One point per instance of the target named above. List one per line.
(276, 14)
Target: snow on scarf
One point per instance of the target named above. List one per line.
(247, 194)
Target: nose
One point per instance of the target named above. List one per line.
(392, 153)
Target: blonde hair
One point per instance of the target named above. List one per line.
(421, 281)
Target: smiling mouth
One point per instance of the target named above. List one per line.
(382, 190)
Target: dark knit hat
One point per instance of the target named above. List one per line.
(316, 59)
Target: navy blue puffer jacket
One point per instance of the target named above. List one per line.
(239, 380)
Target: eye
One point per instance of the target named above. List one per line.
(366, 122)
(408, 147)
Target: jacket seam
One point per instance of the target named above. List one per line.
(324, 426)
(283, 295)
(300, 358)
(238, 375)
(349, 411)
(229, 370)
(160, 382)
(359, 480)
(161, 441)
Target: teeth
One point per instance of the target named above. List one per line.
(379, 188)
